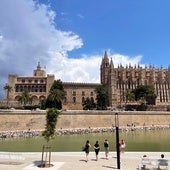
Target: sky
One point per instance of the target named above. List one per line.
(69, 37)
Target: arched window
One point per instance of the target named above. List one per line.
(83, 99)
(17, 89)
(40, 89)
(74, 93)
(74, 99)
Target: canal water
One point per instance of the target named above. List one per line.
(150, 141)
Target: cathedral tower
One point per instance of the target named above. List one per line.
(104, 69)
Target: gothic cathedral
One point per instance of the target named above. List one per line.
(122, 79)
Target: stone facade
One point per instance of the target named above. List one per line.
(76, 93)
(121, 79)
(39, 85)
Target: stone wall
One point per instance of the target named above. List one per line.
(24, 120)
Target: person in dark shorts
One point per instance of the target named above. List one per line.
(106, 148)
(87, 149)
(97, 149)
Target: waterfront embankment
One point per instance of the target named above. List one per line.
(75, 131)
(31, 122)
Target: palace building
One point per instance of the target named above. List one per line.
(119, 80)
(39, 86)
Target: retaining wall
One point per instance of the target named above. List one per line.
(24, 120)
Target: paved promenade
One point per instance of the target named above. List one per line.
(75, 160)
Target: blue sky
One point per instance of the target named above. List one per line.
(133, 27)
(69, 37)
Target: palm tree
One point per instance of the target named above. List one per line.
(25, 97)
(89, 104)
(56, 95)
(145, 93)
(129, 96)
(8, 91)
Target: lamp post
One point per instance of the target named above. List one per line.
(117, 140)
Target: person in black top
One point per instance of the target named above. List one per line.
(87, 149)
(106, 148)
(96, 149)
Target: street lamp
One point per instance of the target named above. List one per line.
(117, 140)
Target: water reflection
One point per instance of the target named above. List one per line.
(153, 140)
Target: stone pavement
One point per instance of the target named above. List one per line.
(74, 160)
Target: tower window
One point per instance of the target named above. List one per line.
(83, 99)
(74, 93)
(74, 99)
(41, 81)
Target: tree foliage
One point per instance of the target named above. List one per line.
(129, 96)
(9, 90)
(56, 95)
(102, 97)
(25, 98)
(51, 121)
(89, 104)
(145, 93)
(49, 132)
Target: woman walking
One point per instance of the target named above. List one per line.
(122, 145)
(87, 149)
(96, 149)
(106, 148)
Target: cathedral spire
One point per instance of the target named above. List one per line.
(105, 55)
(105, 66)
(111, 63)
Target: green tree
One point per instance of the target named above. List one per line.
(51, 120)
(102, 97)
(49, 132)
(129, 96)
(89, 104)
(145, 93)
(25, 98)
(42, 103)
(8, 91)
(56, 95)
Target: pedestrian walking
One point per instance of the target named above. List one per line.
(87, 149)
(122, 145)
(97, 149)
(106, 148)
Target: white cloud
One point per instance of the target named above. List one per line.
(86, 68)
(125, 60)
(28, 34)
